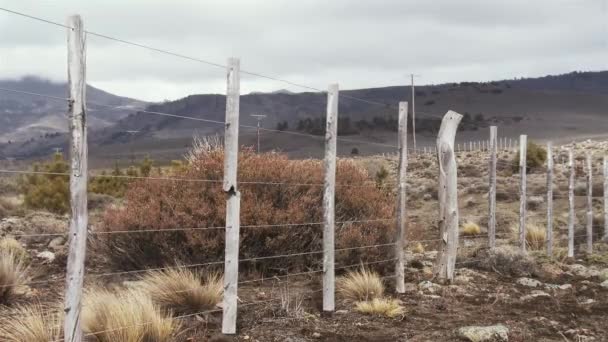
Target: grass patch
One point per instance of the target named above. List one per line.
(125, 317)
(182, 291)
(380, 307)
(13, 276)
(535, 237)
(361, 285)
(470, 228)
(418, 248)
(10, 245)
(32, 323)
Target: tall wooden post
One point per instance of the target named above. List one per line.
(79, 215)
(571, 204)
(492, 194)
(448, 197)
(233, 197)
(329, 193)
(605, 198)
(549, 199)
(401, 201)
(522, 191)
(589, 204)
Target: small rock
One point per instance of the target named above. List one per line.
(563, 287)
(493, 333)
(529, 282)
(582, 271)
(341, 312)
(534, 294)
(47, 256)
(427, 197)
(57, 243)
(316, 335)
(587, 301)
(428, 286)
(604, 284)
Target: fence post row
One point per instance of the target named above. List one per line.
(571, 204)
(78, 179)
(522, 190)
(401, 201)
(589, 204)
(605, 198)
(549, 199)
(233, 199)
(448, 197)
(331, 131)
(492, 194)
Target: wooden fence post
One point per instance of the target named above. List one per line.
(329, 193)
(589, 204)
(605, 198)
(401, 201)
(571, 204)
(233, 197)
(448, 197)
(549, 199)
(522, 191)
(492, 194)
(79, 216)
(470, 146)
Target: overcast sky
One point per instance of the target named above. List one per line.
(356, 43)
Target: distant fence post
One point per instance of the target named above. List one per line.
(79, 216)
(492, 194)
(470, 146)
(549, 198)
(233, 199)
(605, 198)
(401, 201)
(571, 204)
(589, 204)
(448, 197)
(329, 193)
(522, 191)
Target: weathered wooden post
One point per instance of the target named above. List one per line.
(571, 204)
(470, 146)
(79, 215)
(331, 131)
(522, 191)
(448, 197)
(549, 199)
(605, 198)
(589, 204)
(492, 194)
(233, 197)
(401, 201)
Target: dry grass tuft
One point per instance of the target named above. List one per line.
(128, 316)
(535, 237)
(360, 285)
(32, 323)
(10, 245)
(418, 248)
(470, 228)
(13, 276)
(380, 306)
(182, 291)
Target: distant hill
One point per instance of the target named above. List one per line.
(558, 108)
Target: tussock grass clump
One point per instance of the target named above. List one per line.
(182, 291)
(418, 248)
(470, 228)
(535, 237)
(10, 245)
(380, 306)
(360, 285)
(128, 316)
(32, 323)
(13, 276)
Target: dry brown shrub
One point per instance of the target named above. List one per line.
(165, 205)
(33, 323)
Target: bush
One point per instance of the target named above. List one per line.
(381, 307)
(470, 228)
(166, 205)
(360, 285)
(32, 323)
(48, 191)
(182, 291)
(508, 261)
(13, 276)
(115, 184)
(125, 316)
(536, 156)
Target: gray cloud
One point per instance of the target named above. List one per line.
(355, 43)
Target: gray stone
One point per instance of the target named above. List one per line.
(429, 286)
(493, 333)
(47, 256)
(604, 284)
(604, 274)
(582, 271)
(535, 294)
(528, 282)
(57, 243)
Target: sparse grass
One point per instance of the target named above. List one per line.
(182, 291)
(13, 276)
(10, 245)
(128, 316)
(470, 228)
(381, 307)
(32, 323)
(291, 305)
(360, 285)
(418, 248)
(535, 237)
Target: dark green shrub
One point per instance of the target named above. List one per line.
(48, 190)
(536, 156)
